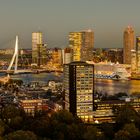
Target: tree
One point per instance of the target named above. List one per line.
(92, 133)
(132, 130)
(121, 94)
(16, 122)
(58, 130)
(126, 114)
(63, 116)
(75, 131)
(2, 128)
(108, 130)
(21, 135)
(64, 125)
(11, 112)
(122, 135)
(40, 127)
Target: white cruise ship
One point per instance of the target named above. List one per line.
(112, 71)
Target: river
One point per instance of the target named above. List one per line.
(101, 85)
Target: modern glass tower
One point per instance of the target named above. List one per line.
(82, 44)
(39, 52)
(87, 45)
(128, 40)
(75, 43)
(37, 42)
(79, 89)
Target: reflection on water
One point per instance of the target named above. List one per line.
(135, 86)
(103, 85)
(42, 77)
(113, 86)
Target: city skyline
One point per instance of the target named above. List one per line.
(56, 19)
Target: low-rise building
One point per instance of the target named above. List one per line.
(31, 106)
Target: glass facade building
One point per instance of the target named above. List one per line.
(39, 52)
(82, 44)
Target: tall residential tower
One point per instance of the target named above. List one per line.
(128, 41)
(37, 41)
(39, 52)
(82, 44)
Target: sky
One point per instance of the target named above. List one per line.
(56, 18)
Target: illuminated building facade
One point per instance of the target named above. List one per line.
(79, 89)
(43, 54)
(138, 53)
(5, 56)
(133, 61)
(128, 39)
(87, 45)
(6, 51)
(81, 44)
(39, 52)
(67, 55)
(57, 57)
(25, 58)
(115, 55)
(75, 43)
(37, 42)
(32, 106)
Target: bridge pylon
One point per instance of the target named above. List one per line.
(14, 58)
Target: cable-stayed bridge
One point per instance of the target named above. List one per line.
(14, 62)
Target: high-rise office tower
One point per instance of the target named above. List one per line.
(67, 55)
(87, 45)
(38, 49)
(82, 44)
(138, 53)
(75, 43)
(79, 89)
(43, 54)
(57, 56)
(128, 40)
(37, 42)
(133, 61)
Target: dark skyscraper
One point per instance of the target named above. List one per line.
(138, 53)
(79, 89)
(128, 39)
